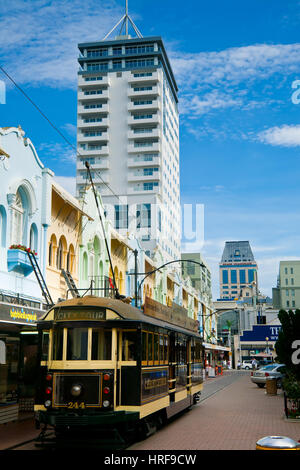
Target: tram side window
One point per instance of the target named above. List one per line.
(198, 351)
(161, 349)
(156, 348)
(181, 350)
(77, 344)
(150, 348)
(166, 349)
(129, 346)
(101, 344)
(45, 345)
(58, 337)
(144, 348)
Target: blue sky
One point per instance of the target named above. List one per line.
(235, 63)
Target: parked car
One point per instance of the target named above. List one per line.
(272, 371)
(247, 364)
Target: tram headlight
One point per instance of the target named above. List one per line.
(106, 403)
(76, 390)
(47, 403)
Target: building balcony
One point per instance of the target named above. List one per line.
(155, 105)
(81, 178)
(139, 189)
(96, 163)
(136, 162)
(152, 78)
(96, 138)
(102, 108)
(86, 98)
(136, 176)
(18, 261)
(93, 152)
(143, 135)
(91, 125)
(152, 147)
(91, 83)
(139, 93)
(155, 119)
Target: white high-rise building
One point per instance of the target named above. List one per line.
(128, 131)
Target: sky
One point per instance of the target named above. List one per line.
(237, 66)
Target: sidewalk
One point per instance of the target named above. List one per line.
(233, 418)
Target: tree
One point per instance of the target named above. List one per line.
(288, 336)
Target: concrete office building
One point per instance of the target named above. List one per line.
(128, 130)
(238, 270)
(287, 293)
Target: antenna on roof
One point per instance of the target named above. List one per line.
(124, 26)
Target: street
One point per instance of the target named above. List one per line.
(233, 414)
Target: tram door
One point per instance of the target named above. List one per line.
(172, 367)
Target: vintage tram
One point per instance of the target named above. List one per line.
(106, 365)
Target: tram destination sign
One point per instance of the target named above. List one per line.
(176, 314)
(79, 314)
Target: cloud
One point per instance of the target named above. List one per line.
(41, 37)
(284, 136)
(242, 77)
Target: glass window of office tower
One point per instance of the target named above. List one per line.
(233, 276)
(121, 216)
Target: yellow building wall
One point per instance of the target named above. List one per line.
(63, 239)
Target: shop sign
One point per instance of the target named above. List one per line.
(176, 314)
(260, 333)
(19, 314)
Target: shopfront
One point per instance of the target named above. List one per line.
(258, 342)
(18, 353)
(216, 358)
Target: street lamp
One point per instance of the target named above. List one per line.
(267, 339)
(162, 266)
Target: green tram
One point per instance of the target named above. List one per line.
(106, 365)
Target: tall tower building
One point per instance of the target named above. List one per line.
(128, 130)
(238, 269)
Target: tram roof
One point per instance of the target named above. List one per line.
(126, 311)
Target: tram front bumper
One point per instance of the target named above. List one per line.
(59, 418)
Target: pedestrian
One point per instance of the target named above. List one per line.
(254, 364)
(239, 364)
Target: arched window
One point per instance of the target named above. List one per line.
(18, 216)
(85, 266)
(52, 250)
(70, 259)
(61, 253)
(33, 237)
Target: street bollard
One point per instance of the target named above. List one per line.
(277, 443)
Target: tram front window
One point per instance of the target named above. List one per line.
(101, 344)
(77, 344)
(58, 337)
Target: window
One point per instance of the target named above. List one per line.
(292, 281)
(251, 275)
(77, 344)
(17, 220)
(293, 303)
(2, 226)
(242, 276)
(143, 216)
(101, 344)
(57, 351)
(121, 216)
(233, 276)
(225, 276)
(97, 53)
(285, 270)
(59, 257)
(128, 346)
(150, 348)
(97, 66)
(292, 270)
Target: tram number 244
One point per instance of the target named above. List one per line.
(76, 405)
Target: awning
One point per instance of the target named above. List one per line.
(215, 347)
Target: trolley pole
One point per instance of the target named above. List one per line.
(136, 277)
